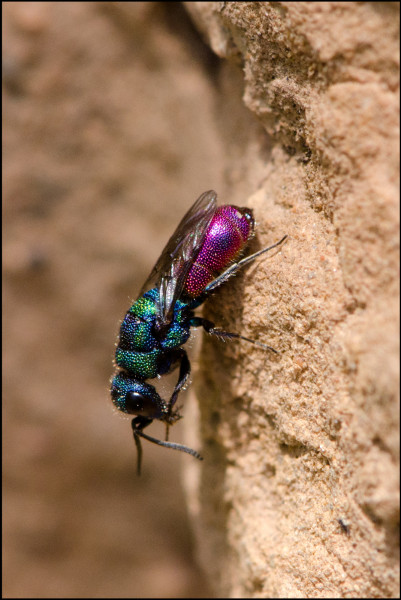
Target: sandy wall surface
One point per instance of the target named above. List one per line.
(304, 448)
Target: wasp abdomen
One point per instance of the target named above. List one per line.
(227, 234)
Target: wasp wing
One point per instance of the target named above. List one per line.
(171, 269)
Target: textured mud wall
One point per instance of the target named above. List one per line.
(298, 495)
(116, 117)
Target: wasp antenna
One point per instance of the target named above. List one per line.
(139, 452)
(171, 445)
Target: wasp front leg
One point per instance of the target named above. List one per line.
(177, 356)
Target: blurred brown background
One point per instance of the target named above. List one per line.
(108, 139)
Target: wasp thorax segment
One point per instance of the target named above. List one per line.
(227, 234)
(136, 335)
(175, 336)
(142, 349)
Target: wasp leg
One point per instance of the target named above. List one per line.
(185, 369)
(210, 327)
(236, 266)
(138, 424)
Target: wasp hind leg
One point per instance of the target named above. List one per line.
(238, 265)
(185, 370)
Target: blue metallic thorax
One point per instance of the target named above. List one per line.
(141, 351)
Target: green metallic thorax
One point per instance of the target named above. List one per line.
(140, 351)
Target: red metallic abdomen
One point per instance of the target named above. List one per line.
(227, 235)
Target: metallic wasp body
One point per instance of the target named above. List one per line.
(197, 259)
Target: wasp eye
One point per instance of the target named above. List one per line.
(138, 404)
(134, 402)
(248, 214)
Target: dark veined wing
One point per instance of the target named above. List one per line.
(170, 271)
